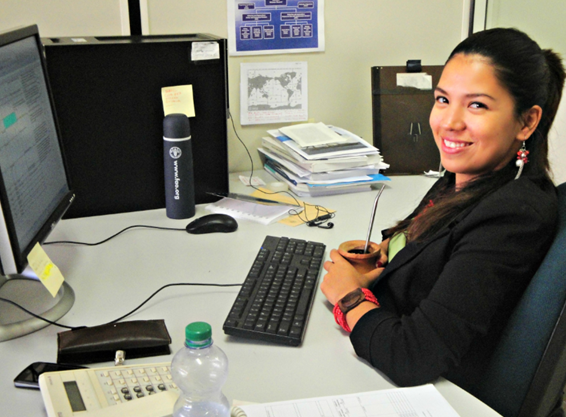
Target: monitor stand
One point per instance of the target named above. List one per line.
(31, 294)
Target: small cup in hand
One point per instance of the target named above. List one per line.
(353, 251)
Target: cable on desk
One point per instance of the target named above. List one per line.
(57, 242)
(292, 211)
(178, 284)
(175, 284)
(35, 315)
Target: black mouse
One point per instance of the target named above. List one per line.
(212, 223)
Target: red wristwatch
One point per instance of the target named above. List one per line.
(350, 301)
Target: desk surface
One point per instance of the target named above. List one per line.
(111, 279)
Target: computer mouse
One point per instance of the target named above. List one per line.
(212, 223)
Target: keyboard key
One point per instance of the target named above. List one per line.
(304, 302)
(295, 331)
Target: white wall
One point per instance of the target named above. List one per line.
(359, 34)
(65, 17)
(544, 21)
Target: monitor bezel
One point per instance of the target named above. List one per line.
(13, 258)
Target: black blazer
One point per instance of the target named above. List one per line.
(444, 301)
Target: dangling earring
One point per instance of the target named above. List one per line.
(522, 159)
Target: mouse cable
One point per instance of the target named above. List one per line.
(292, 211)
(125, 315)
(70, 242)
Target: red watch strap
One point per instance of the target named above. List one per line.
(341, 318)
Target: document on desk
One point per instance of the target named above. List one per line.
(261, 213)
(422, 401)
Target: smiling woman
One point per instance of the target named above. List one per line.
(497, 96)
(465, 255)
(473, 120)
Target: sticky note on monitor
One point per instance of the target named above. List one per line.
(47, 272)
(178, 99)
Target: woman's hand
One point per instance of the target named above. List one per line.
(384, 247)
(342, 277)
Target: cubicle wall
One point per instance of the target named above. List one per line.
(107, 93)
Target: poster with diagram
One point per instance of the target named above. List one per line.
(273, 92)
(258, 27)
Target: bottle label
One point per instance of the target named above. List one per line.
(175, 152)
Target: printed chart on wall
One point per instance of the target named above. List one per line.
(273, 92)
(258, 27)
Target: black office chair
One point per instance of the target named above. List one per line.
(527, 375)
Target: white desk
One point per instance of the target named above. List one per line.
(113, 278)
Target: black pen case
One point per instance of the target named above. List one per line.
(138, 339)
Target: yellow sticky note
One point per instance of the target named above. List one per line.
(47, 272)
(178, 99)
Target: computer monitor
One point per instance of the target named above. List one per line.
(34, 188)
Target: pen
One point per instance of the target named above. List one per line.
(245, 197)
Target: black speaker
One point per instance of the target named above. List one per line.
(107, 94)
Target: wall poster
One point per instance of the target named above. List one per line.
(273, 92)
(259, 27)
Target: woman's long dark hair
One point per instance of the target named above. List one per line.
(533, 77)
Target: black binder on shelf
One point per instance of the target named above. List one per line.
(107, 94)
(401, 129)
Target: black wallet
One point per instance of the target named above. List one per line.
(138, 339)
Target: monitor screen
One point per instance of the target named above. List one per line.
(34, 191)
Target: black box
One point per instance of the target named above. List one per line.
(107, 93)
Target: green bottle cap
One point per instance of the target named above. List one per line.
(198, 334)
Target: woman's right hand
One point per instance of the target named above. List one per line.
(342, 277)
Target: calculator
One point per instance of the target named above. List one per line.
(146, 389)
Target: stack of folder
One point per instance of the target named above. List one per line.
(315, 159)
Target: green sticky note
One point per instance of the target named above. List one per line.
(10, 120)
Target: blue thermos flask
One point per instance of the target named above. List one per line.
(178, 164)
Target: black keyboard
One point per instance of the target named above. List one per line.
(276, 298)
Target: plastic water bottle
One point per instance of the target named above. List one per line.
(200, 370)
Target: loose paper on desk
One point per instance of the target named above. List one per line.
(178, 99)
(310, 211)
(261, 213)
(424, 400)
(47, 272)
(312, 134)
(255, 181)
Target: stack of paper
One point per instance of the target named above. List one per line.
(315, 159)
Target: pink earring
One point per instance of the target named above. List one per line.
(522, 159)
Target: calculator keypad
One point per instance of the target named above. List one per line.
(127, 384)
